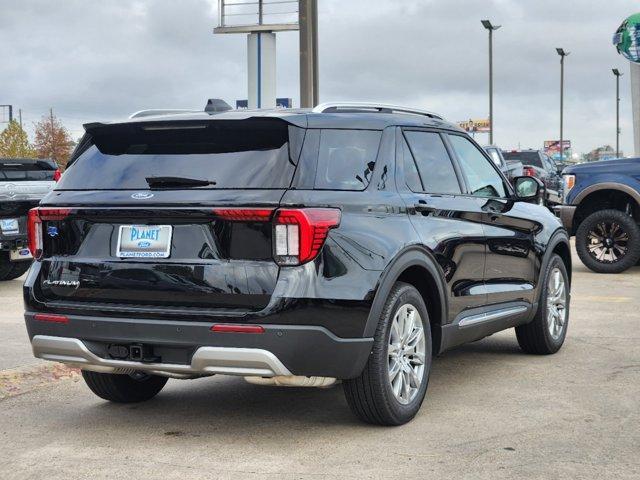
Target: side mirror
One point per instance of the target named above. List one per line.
(529, 189)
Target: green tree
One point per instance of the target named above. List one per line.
(14, 142)
(52, 140)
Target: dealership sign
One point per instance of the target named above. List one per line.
(627, 38)
(476, 125)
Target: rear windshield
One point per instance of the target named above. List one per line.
(527, 158)
(243, 154)
(26, 170)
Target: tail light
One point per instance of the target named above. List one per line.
(529, 171)
(56, 175)
(300, 233)
(34, 226)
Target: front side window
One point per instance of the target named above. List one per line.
(434, 165)
(483, 179)
(346, 159)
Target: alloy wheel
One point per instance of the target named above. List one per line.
(406, 352)
(556, 304)
(607, 242)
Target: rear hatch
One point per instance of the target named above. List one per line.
(171, 217)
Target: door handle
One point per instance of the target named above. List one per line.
(422, 207)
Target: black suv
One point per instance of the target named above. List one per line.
(294, 247)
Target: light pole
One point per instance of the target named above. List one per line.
(487, 24)
(618, 74)
(562, 54)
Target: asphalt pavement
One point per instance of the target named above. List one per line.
(492, 412)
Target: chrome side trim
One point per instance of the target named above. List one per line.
(205, 361)
(488, 317)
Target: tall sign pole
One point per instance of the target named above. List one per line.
(308, 21)
(627, 42)
(490, 27)
(562, 54)
(618, 74)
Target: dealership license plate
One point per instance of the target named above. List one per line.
(20, 254)
(144, 241)
(9, 225)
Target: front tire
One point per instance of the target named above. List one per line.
(118, 388)
(608, 241)
(393, 384)
(546, 333)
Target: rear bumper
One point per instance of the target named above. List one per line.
(182, 348)
(565, 213)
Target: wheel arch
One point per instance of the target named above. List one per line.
(558, 244)
(414, 265)
(603, 196)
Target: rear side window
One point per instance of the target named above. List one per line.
(242, 154)
(26, 170)
(434, 165)
(346, 159)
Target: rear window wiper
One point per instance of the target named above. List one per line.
(174, 182)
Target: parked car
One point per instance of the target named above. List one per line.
(602, 209)
(538, 164)
(293, 247)
(510, 168)
(23, 182)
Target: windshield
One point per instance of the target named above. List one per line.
(247, 154)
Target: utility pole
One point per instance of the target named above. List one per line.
(20, 117)
(618, 74)
(562, 54)
(487, 24)
(309, 85)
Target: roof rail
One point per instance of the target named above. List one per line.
(377, 107)
(159, 111)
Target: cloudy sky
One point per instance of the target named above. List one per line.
(99, 60)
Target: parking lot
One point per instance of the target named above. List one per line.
(491, 412)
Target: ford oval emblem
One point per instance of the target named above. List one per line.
(142, 195)
(144, 244)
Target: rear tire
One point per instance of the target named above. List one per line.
(621, 232)
(124, 388)
(11, 270)
(393, 384)
(546, 333)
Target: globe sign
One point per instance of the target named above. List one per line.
(627, 38)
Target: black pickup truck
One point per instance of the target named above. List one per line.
(602, 209)
(23, 183)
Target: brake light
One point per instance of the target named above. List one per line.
(227, 328)
(56, 175)
(529, 171)
(299, 234)
(34, 226)
(244, 214)
(51, 318)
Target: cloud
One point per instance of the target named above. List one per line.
(93, 60)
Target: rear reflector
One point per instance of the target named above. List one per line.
(51, 318)
(56, 175)
(244, 214)
(227, 328)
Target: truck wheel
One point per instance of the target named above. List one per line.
(608, 241)
(393, 384)
(546, 333)
(11, 270)
(124, 388)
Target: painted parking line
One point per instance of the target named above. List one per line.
(600, 298)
